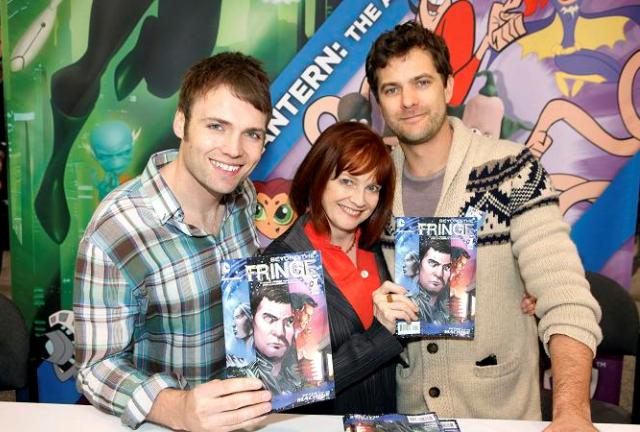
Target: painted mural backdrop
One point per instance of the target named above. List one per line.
(91, 88)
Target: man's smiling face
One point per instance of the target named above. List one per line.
(413, 97)
(222, 141)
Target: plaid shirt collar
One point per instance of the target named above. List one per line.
(163, 201)
(157, 192)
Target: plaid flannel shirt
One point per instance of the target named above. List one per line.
(147, 299)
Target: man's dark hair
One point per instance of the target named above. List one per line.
(298, 300)
(276, 293)
(438, 245)
(242, 74)
(398, 42)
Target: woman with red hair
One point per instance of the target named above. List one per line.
(343, 191)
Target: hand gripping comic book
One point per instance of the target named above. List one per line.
(276, 326)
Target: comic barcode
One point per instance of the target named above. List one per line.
(405, 328)
(423, 418)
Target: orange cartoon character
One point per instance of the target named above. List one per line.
(274, 214)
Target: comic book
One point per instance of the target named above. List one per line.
(449, 425)
(436, 263)
(276, 326)
(427, 422)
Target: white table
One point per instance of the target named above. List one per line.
(28, 417)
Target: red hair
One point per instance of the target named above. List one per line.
(351, 147)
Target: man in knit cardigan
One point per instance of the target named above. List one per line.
(523, 245)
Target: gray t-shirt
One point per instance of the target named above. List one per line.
(420, 195)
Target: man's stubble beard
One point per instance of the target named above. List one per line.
(431, 130)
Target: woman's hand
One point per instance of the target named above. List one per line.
(528, 304)
(390, 303)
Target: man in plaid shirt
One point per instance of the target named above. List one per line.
(147, 304)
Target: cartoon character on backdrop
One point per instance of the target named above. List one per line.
(274, 214)
(573, 38)
(455, 22)
(56, 375)
(484, 113)
(586, 51)
(34, 38)
(354, 106)
(575, 189)
(166, 46)
(112, 146)
(168, 42)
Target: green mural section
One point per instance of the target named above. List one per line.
(53, 196)
(91, 90)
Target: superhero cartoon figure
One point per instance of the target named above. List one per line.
(350, 107)
(167, 45)
(455, 22)
(178, 35)
(112, 146)
(355, 106)
(573, 38)
(59, 345)
(274, 214)
(484, 113)
(56, 374)
(574, 188)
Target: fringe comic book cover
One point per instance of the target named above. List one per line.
(435, 261)
(276, 326)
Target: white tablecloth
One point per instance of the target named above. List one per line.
(27, 417)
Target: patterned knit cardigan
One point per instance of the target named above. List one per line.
(523, 244)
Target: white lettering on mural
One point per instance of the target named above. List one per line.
(304, 87)
(323, 65)
(363, 23)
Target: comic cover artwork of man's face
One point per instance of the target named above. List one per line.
(273, 328)
(435, 269)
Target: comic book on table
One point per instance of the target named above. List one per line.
(449, 425)
(276, 326)
(435, 261)
(427, 422)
